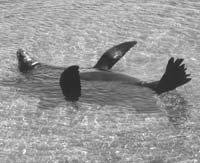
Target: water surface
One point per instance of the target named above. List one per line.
(63, 33)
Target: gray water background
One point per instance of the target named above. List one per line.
(62, 33)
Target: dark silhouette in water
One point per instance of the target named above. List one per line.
(98, 84)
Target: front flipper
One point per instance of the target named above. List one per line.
(70, 83)
(114, 54)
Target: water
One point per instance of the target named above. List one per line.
(61, 33)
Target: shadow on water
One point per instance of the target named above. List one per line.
(43, 83)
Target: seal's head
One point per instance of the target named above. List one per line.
(25, 62)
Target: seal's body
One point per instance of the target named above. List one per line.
(71, 78)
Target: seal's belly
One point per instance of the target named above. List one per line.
(108, 76)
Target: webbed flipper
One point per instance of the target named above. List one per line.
(70, 83)
(114, 54)
(175, 75)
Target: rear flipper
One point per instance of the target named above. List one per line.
(173, 77)
(70, 83)
(25, 62)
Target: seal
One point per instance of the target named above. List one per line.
(72, 77)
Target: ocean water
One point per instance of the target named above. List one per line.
(125, 126)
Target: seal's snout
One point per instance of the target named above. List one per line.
(20, 55)
(20, 51)
(25, 62)
(23, 56)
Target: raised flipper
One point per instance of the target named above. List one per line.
(70, 83)
(174, 76)
(25, 62)
(114, 54)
